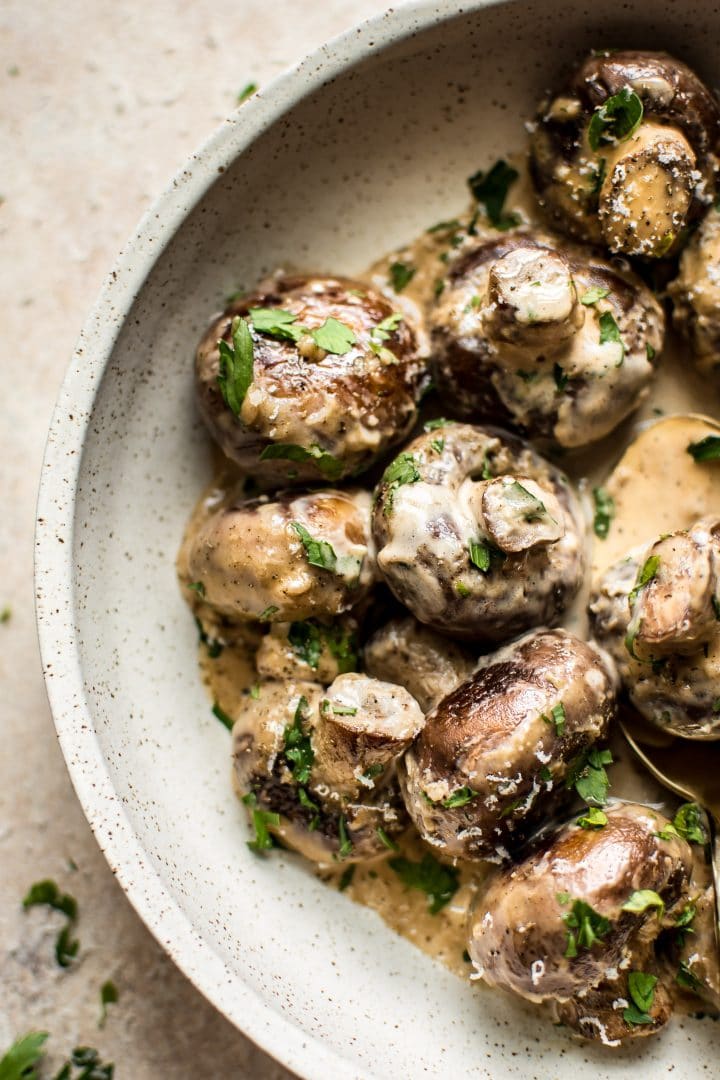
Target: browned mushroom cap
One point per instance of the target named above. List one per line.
(600, 1014)
(656, 612)
(427, 664)
(364, 727)
(321, 404)
(691, 954)
(493, 757)
(556, 925)
(293, 558)
(626, 153)
(287, 752)
(471, 564)
(547, 336)
(696, 293)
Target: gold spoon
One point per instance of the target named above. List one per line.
(690, 769)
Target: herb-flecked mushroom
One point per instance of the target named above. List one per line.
(657, 612)
(545, 336)
(626, 154)
(316, 767)
(310, 379)
(503, 751)
(696, 294)
(477, 534)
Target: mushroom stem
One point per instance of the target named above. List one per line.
(532, 301)
(647, 191)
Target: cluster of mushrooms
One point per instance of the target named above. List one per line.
(405, 596)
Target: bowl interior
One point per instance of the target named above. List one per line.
(360, 163)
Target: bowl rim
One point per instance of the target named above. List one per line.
(276, 1033)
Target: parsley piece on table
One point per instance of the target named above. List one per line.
(247, 92)
(108, 996)
(18, 1063)
(46, 892)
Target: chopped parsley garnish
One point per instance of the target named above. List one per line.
(438, 445)
(641, 988)
(642, 899)
(403, 470)
(386, 840)
(461, 589)
(584, 925)
(307, 804)
(610, 332)
(330, 467)
(198, 587)
(561, 379)
(687, 824)
(461, 797)
(277, 323)
(491, 189)
(588, 776)
(213, 646)
(595, 293)
(401, 274)
(255, 691)
(445, 226)
(381, 333)
(647, 574)
(247, 92)
(220, 714)
(480, 552)
(297, 744)
(262, 820)
(268, 613)
(684, 922)
(616, 119)
(433, 425)
(108, 996)
(649, 352)
(604, 512)
(236, 365)
(308, 638)
(46, 892)
(707, 449)
(345, 843)
(18, 1063)
(439, 882)
(334, 337)
(593, 819)
(346, 877)
(338, 710)
(373, 771)
(556, 717)
(527, 505)
(319, 553)
(6, 614)
(598, 174)
(687, 978)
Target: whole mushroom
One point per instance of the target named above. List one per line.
(544, 336)
(477, 534)
(318, 764)
(578, 922)
(309, 379)
(657, 613)
(295, 557)
(696, 294)
(495, 756)
(426, 663)
(626, 154)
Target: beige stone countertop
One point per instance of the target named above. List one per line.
(101, 102)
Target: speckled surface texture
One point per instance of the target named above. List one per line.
(101, 104)
(360, 164)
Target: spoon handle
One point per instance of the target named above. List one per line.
(715, 862)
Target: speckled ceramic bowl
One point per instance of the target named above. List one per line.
(365, 143)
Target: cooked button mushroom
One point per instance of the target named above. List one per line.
(297, 557)
(495, 755)
(658, 613)
(583, 914)
(427, 664)
(477, 534)
(311, 379)
(312, 649)
(626, 154)
(696, 294)
(318, 765)
(546, 336)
